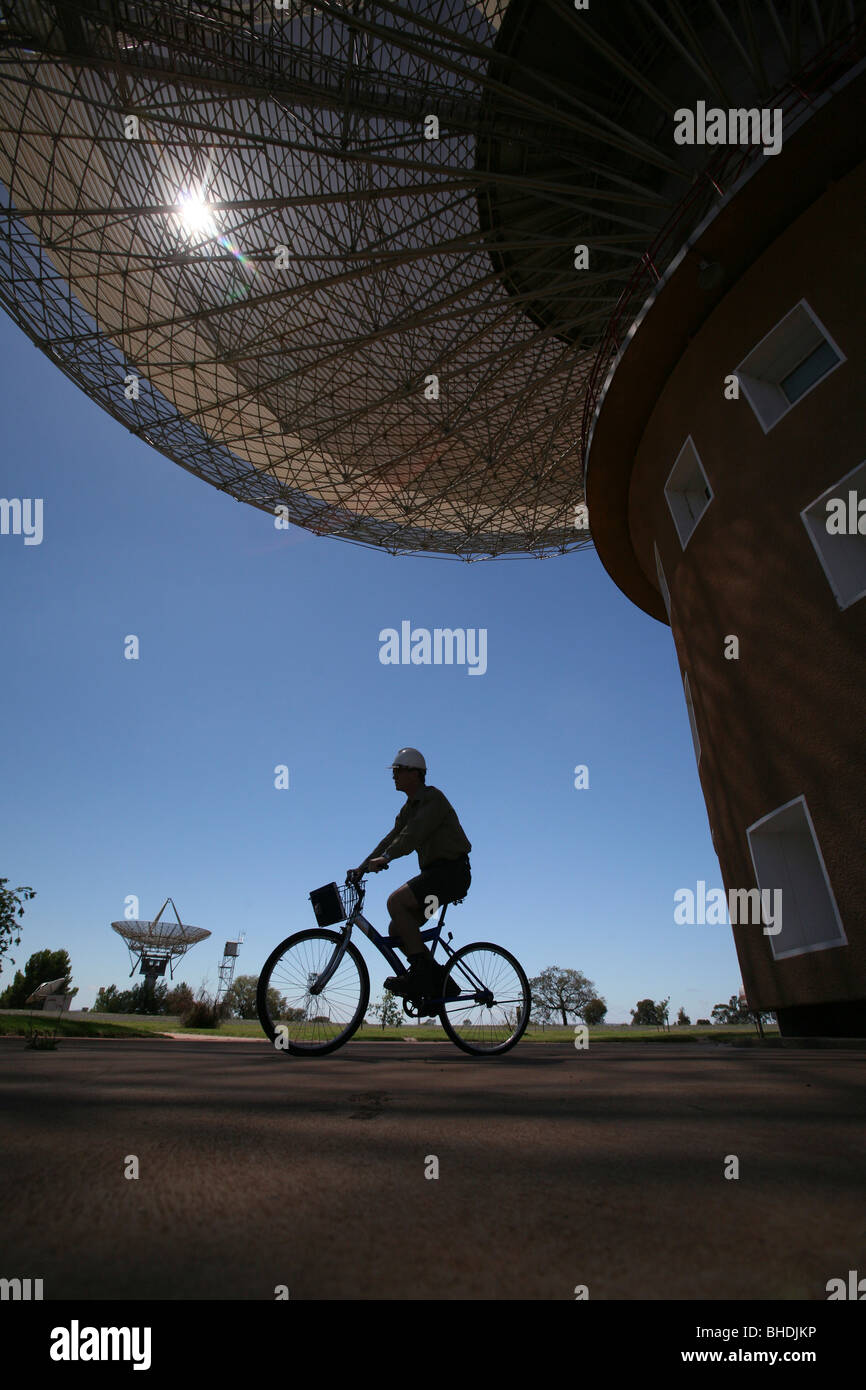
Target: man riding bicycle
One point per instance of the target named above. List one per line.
(428, 824)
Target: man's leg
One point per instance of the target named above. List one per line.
(407, 918)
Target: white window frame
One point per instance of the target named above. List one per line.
(693, 723)
(767, 385)
(813, 531)
(663, 583)
(842, 939)
(676, 492)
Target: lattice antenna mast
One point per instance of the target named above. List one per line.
(227, 966)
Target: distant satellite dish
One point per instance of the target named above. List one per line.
(157, 944)
(49, 987)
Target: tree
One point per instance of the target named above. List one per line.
(388, 1011)
(280, 1008)
(42, 966)
(179, 999)
(683, 1020)
(757, 1016)
(112, 1000)
(146, 997)
(11, 906)
(562, 992)
(104, 1001)
(651, 1014)
(644, 1015)
(737, 1011)
(240, 999)
(594, 1012)
(703, 1023)
(204, 1012)
(732, 1012)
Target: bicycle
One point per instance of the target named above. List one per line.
(314, 987)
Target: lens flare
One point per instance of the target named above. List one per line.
(195, 215)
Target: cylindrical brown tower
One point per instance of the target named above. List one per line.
(726, 486)
(717, 152)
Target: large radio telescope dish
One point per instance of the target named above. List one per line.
(157, 944)
(227, 223)
(167, 936)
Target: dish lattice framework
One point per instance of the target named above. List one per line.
(157, 944)
(148, 263)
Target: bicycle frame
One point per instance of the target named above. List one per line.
(496, 978)
(382, 943)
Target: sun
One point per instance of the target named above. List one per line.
(195, 215)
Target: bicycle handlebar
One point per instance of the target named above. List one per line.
(358, 879)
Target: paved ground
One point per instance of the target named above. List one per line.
(556, 1168)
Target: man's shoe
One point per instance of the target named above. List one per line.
(425, 980)
(452, 991)
(401, 985)
(419, 980)
(438, 991)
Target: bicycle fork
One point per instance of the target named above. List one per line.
(325, 976)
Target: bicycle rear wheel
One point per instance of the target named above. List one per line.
(492, 1012)
(299, 1021)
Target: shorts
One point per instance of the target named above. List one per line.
(444, 879)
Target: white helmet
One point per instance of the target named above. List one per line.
(409, 757)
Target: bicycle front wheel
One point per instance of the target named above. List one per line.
(298, 1019)
(492, 1012)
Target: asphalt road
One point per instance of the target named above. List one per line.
(556, 1168)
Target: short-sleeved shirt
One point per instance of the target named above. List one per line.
(427, 823)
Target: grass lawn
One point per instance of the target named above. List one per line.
(19, 1022)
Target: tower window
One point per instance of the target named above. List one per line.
(789, 868)
(687, 491)
(692, 721)
(788, 363)
(663, 584)
(810, 371)
(833, 522)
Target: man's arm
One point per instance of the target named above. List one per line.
(382, 845)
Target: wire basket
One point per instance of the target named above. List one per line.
(334, 903)
(350, 895)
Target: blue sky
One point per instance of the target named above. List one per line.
(260, 647)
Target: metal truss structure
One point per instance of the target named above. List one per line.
(324, 255)
(226, 970)
(157, 944)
